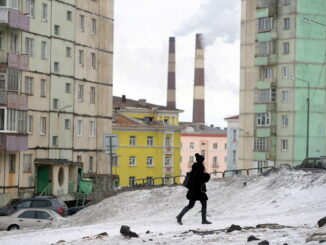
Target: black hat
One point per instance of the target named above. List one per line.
(199, 158)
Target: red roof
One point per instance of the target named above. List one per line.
(233, 117)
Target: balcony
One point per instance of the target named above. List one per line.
(270, 4)
(13, 142)
(14, 19)
(13, 100)
(14, 60)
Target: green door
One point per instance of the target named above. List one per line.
(42, 178)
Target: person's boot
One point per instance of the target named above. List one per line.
(180, 215)
(203, 218)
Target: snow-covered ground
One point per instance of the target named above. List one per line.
(294, 199)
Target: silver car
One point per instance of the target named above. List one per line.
(28, 218)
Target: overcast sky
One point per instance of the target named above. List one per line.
(142, 31)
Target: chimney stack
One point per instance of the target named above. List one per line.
(199, 86)
(171, 75)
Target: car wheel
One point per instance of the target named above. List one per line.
(13, 227)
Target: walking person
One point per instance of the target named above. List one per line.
(197, 189)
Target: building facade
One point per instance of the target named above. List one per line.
(210, 142)
(282, 87)
(56, 94)
(232, 142)
(148, 142)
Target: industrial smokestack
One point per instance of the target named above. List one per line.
(199, 86)
(171, 75)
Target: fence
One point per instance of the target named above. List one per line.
(174, 180)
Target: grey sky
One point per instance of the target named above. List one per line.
(142, 29)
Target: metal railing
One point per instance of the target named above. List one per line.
(173, 180)
(47, 190)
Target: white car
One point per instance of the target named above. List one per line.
(28, 218)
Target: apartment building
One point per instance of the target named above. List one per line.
(148, 142)
(56, 61)
(282, 87)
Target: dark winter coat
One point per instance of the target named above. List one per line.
(197, 189)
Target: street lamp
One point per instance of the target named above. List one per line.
(308, 110)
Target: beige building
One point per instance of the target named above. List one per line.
(56, 64)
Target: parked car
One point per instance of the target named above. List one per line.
(28, 218)
(313, 163)
(52, 203)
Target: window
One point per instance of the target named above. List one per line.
(30, 7)
(14, 43)
(69, 15)
(29, 46)
(54, 140)
(9, 3)
(43, 88)
(203, 143)
(56, 67)
(265, 24)
(22, 121)
(79, 128)
(149, 162)
(44, 12)
(132, 161)
(67, 124)
(56, 30)
(167, 141)
(286, 48)
(263, 119)
(265, 48)
(91, 128)
(265, 95)
(286, 23)
(43, 50)
(27, 163)
(11, 120)
(191, 146)
(27, 215)
(267, 73)
(261, 144)
(30, 124)
(132, 140)
(93, 26)
(80, 93)
(29, 85)
(234, 135)
(12, 79)
(215, 146)
(2, 81)
(215, 161)
(81, 57)
(79, 158)
(92, 95)
(91, 162)
(287, 2)
(93, 60)
(202, 152)
(262, 164)
(234, 156)
(285, 96)
(132, 180)
(149, 180)
(285, 120)
(167, 161)
(12, 163)
(82, 23)
(68, 52)
(285, 71)
(43, 125)
(150, 140)
(68, 88)
(191, 160)
(55, 104)
(42, 215)
(284, 145)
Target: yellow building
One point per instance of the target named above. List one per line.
(148, 142)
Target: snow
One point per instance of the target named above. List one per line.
(295, 199)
